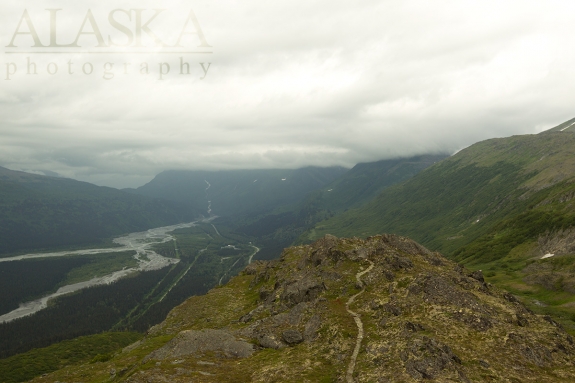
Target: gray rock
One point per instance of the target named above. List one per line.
(311, 328)
(479, 322)
(292, 337)
(375, 305)
(561, 241)
(249, 332)
(191, 342)
(269, 341)
(397, 262)
(294, 316)
(533, 352)
(303, 290)
(262, 271)
(477, 275)
(358, 253)
(392, 309)
(435, 289)
(426, 358)
(413, 327)
(265, 294)
(550, 320)
(522, 320)
(510, 298)
(279, 319)
(249, 316)
(388, 275)
(435, 259)
(404, 244)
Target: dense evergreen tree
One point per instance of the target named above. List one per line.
(88, 311)
(22, 281)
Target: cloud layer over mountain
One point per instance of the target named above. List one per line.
(289, 83)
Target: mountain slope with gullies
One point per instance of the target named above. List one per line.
(466, 196)
(356, 187)
(238, 192)
(365, 181)
(384, 309)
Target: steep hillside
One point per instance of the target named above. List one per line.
(366, 180)
(383, 309)
(23, 367)
(236, 192)
(39, 212)
(563, 127)
(354, 188)
(520, 181)
(503, 205)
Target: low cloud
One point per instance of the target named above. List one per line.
(288, 84)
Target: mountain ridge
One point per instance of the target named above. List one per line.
(516, 167)
(418, 317)
(500, 205)
(234, 192)
(279, 228)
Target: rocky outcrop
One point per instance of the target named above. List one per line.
(305, 289)
(197, 343)
(292, 337)
(426, 359)
(557, 242)
(383, 309)
(311, 328)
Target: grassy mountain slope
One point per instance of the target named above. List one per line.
(471, 194)
(564, 126)
(236, 192)
(38, 212)
(366, 180)
(382, 309)
(499, 205)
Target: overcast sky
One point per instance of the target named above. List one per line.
(288, 83)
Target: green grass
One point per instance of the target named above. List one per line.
(440, 202)
(510, 273)
(23, 367)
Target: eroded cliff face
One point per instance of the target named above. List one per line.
(558, 242)
(384, 309)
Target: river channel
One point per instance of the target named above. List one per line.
(140, 242)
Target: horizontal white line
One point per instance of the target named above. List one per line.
(92, 53)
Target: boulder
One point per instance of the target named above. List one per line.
(292, 337)
(190, 342)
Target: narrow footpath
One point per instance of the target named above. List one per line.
(358, 322)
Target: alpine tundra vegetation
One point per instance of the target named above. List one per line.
(404, 312)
